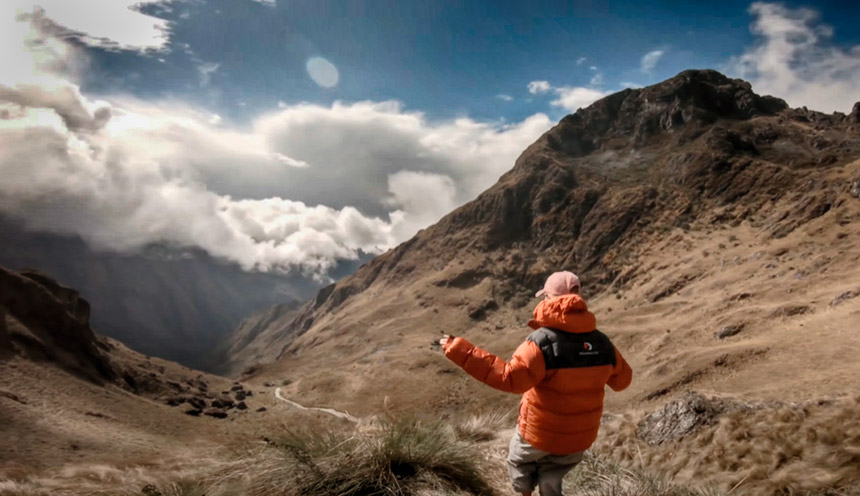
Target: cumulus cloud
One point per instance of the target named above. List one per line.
(794, 59)
(504, 97)
(107, 24)
(580, 60)
(572, 98)
(538, 87)
(303, 186)
(649, 60)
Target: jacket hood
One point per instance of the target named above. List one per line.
(567, 313)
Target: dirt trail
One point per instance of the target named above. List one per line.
(330, 411)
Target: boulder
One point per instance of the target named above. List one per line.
(730, 330)
(683, 417)
(844, 297)
(790, 311)
(220, 414)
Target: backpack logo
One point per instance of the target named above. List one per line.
(587, 346)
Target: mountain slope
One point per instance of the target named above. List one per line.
(666, 200)
(164, 303)
(69, 396)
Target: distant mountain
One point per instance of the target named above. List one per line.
(174, 305)
(648, 194)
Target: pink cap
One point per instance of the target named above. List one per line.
(559, 283)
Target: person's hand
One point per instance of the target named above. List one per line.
(445, 340)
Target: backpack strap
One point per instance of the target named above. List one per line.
(563, 350)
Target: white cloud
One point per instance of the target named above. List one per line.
(793, 59)
(592, 68)
(649, 60)
(630, 84)
(504, 97)
(421, 199)
(206, 70)
(572, 98)
(596, 80)
(110, 24)
(581, 60)
(303, 186)
(538, 87)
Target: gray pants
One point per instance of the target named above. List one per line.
(530, 467)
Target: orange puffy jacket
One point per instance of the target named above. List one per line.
(562, 368)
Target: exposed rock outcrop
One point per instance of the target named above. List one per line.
(46, 321)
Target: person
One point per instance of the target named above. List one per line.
(561, 370)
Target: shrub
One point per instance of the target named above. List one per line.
(400, 457)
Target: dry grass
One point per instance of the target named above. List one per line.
(598, 476)
(778, 449)
(485, 427)
(402, 457)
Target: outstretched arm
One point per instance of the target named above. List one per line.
(622, 376)
(522, 373)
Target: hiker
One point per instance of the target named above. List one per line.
(561, 369)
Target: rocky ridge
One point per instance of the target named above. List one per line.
(45, 322)
(603, 183)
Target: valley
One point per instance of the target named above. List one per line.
(715, 232)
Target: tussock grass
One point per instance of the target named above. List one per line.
(395, 458)
(485, 427)
(780, 449)
(599, 476)
(401, 457)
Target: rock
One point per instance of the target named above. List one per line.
(242, 406)
(175, 401)
(741, 297)
(480, 311)
(57, 321)
(855, 189)
(845, 296)
(219, 414)
(268, 384)
(12, 396)
(198, 403)
(261, 409)
(683, 417)
(790, 311)
(248, 394)
(194, 412)
(237, 387)
(855, 113)
(241, 395)
(150, 490)
(223, 403)
(730, 330)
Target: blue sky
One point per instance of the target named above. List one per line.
(445, 58)
(286, 135)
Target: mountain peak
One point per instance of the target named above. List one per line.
(634, 117)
